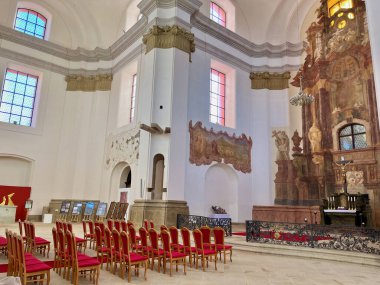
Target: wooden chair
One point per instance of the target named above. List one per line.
(38, 243)
(206, 237)
(101, 250)
(117, 255)
(81, 242)
(91, 228)
(202, 252)
(109, 246)
(191, 251)
(55, 246)
(135, 246)
(145, 249)
(124, 226)
(146, 225)
(156, 252)
(131, 259)
(117, 225)
(174, 239)
(31, 270)
(87, 235)
(81, 263)
(110, 224)
(220, 246)
(11, 255)
(172, 255)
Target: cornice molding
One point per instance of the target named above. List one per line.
(205, 24)
(78, 82)
(174, 21)
(148, 6)
(271, 81)
(169, 37)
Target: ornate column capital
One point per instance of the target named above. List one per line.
(79, 82)
(271, 81)
(169, 37)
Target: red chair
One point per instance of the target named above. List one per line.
(151, 224)
(31, 270)
(109, 246)
(81, 263)
(55, 244)
(117, 225)
(20, 229)
(133, 240)
(110, 224)
(163, 228)
(131, 259)
(187, 248)
(219, 234)
(178, 257)
(146, 225)
(174, 238)
(102, 228)
(156, 252)
(92, 233)
(88, 236)
(62, 261)
(117, 252)
(124, 226)
(81, 242)
(38, 243)
(145, 249)
(11, 256)
(206, 237)
(202, 252)
(101, 251)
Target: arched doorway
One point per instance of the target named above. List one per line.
(158, 177)
(220, 189)
(121, 181)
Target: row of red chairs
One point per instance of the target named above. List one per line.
(33, 243)
(3, 245)
(23, 264)
(65, 226)
(67, 257)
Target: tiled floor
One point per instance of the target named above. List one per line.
(246, 268)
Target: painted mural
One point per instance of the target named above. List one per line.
(207, 146)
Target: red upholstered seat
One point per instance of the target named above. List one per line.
(202, 252)
(78, 239)
(40, 241)
(159, 251)
(135, 257)
(37, 267)
(177, 254)
(221, 247)
(3, 241)
(172, 255)
(88, 262)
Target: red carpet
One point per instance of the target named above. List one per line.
(239, 234)
(4, 267)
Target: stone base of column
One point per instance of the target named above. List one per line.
(161, 212)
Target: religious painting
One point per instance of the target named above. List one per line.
(65, 207)
(102, 209)
(77, 208)
(89, 209)
(207, 146)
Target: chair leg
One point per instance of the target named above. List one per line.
(231, 254)
(145, 265)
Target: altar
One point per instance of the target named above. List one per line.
(7, 214)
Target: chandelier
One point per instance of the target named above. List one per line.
(301, 98)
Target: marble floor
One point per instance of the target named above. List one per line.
(246, 268)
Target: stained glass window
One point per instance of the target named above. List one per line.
(352, 137)
(18, 97)
(217, 97)
(133, 98)
(30, 22)
(336, 5)
(217, 14)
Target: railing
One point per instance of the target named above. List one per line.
(364, 240)
(194, 222)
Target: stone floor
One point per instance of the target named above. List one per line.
(246, 268)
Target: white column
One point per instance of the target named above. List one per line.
(373, 10)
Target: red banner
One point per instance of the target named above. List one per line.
(21, 194)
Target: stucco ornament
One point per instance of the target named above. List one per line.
(207, 146)
(79, 82)
(270, 81)
(342, 40)
(123, 147)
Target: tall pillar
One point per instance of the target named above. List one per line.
(373, 9)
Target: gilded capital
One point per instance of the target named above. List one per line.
(169, 37)
(271, 81)
(79, 82)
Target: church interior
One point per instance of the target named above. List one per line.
(256, 117)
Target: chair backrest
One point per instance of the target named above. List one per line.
(116, 241)
(146, 225)
(91, 227)
(163, 228)
(132, 235)
(125, 245)
(61, 241)
(165, 237)
(198, 239)
(143, 236)
(32, 232)
(219, 235)
(153, 236)
(151, 224)
(124, 226)
(26, 229)
(69, 242)
(84, 225)
(98, 237)
(206, 234)
(116, 224)
(20, 256)
(20, 226)
(174, 234)
(185, 237)
(70, 227)
(15, 249)
(108, 240)
(64, 226)
(58, 224)
(8, 235)
(55, 238)
(110, 224)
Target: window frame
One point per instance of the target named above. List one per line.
(38, 16)
(218, 19)
(352, 135)
(220, 94)
(24, 95)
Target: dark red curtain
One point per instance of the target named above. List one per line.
(21, 195)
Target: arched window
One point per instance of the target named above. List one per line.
(30, 22)
(217, 97)
(335, 5)
(217, 14)
(352, 137)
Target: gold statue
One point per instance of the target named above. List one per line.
(3, 203)
(10, 202)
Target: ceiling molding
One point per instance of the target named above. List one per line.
(205, 24)
(190, 6)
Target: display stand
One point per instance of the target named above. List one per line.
(76, 213)
(65, 210)
(111, 210)
(89, 211)
(101, 212)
